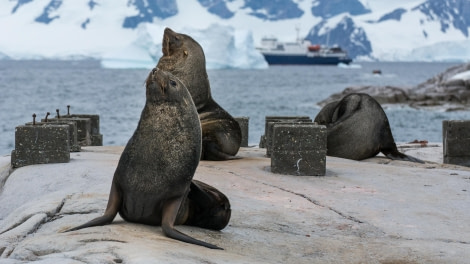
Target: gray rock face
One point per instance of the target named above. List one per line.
(451, 86)
(383, 94)
(374, 211)
(449, 89)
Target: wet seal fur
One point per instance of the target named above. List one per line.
(184, 58)
(153, 183)
(358, 128)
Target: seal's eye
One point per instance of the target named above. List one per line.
(173, 83)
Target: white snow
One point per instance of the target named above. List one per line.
(461, 76)
(227, 43)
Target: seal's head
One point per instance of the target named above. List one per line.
(162, 86)
(184, 58)
(178, 48)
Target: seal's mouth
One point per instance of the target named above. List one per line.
(161, 79)
(157, 84)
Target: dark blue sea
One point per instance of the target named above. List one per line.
(118, 95)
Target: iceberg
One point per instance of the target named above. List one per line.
(227, 48)
(224, 47)
(457, 51)
(142, 53)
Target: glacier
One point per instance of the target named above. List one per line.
(127, 33)
(231, 49)
(82, 32)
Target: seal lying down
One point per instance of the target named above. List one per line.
(357, 128)
(153, 182)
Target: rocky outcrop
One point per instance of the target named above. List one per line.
(449, 89)
(383, 94)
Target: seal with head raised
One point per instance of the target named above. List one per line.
(154, 174)
(358, 128)
(184, 58)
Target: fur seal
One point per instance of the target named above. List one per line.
(154, 174)
(185, 59)
(358, 128)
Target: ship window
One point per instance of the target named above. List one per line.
(280, 47)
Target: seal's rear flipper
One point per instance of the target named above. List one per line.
(396, 155)
(114, 203)
(170, 210)
(211, 208)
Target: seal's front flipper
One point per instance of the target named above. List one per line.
(170, 210)
(396, 155)
(114, 203)
(211, 151)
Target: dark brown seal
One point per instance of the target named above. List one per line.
(184, 58)
(358, 128)
(154, 174)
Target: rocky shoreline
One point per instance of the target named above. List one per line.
(449, 90)
(373, 211)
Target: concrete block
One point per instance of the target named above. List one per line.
(270, 125)
(457, 147)
(280, 118)
(40, 144)
(262, 141)
(300, 163)
(97, 140)
(456, 142)
(298, 137)
(456, 129)
(462, 161)
(83, 128)
(96, 137)
(299, 149)
(73, 142)
(243, 121)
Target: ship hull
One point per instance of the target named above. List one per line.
(275, 59)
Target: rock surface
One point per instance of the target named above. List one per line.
(449, 89)
(374, 211)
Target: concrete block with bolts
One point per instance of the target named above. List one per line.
(73, 142)
(96, 137)
(83, 128)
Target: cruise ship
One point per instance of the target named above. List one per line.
(301, 52)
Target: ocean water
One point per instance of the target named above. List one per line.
(118, 95)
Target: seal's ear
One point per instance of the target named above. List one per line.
(185, 53)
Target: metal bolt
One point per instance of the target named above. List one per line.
(57, 111)
(47, 115)
(34, 119)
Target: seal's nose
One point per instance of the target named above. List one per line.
(161, 78)
(168, 31)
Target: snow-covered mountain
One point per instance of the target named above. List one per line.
(128, 33)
